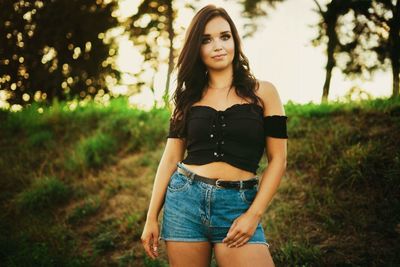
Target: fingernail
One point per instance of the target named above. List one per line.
(155, 248)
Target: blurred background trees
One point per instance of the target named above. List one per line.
(151, 28)
(360, 36)
(61, 49)
(56, 49)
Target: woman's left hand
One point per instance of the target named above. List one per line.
(241, 230)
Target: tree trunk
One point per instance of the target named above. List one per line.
(327, 83)
(153, 91)
(394, 43)
(332, 42)
(396, 87)
(171, 35)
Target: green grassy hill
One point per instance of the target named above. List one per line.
(75, 182)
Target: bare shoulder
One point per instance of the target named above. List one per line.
(269, 94)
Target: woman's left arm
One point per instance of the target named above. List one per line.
(276, 149)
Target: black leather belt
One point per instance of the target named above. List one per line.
(244, 184)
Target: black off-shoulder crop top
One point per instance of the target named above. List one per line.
(235, 135)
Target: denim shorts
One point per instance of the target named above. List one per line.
(197, 211)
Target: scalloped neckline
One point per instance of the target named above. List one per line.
(228, 108)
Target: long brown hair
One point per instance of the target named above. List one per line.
(192, 73)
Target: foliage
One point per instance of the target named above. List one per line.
(43, 57)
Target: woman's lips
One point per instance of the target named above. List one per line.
(219, 56)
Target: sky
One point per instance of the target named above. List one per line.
(280, 52)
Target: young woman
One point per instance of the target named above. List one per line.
(225, 119)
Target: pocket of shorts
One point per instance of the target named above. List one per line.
(248, 195)
(178, 182)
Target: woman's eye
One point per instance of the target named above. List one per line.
(224, 37)
(204, 40)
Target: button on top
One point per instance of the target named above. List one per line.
(223, 125)
(211, 135)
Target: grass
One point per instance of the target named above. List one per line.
(342, 187)
(78, 190)
(298, 254)
(43, 194)
(89, 207)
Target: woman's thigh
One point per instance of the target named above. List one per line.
(252, 255)
(182, 254)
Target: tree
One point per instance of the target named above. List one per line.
(55, 49)
(253, 9)
(373, 22)
(328, 30)
(370, 40)
(151, 29)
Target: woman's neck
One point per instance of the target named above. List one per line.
(220, 80)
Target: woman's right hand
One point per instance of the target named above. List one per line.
(150, 238)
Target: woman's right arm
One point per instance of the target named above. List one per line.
(173, 153)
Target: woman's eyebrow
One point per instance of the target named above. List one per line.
(206, 35)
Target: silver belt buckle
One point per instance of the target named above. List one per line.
(217, 184)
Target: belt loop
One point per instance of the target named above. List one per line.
(190, 174)
(179, 164)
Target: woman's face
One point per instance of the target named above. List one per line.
(217, 40)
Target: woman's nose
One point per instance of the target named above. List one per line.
(217, 45)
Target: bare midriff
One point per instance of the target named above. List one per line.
(220, 170)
